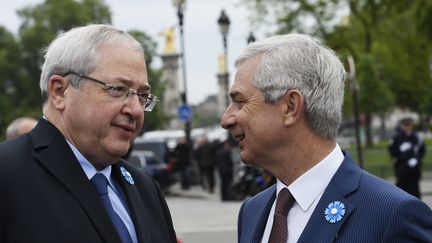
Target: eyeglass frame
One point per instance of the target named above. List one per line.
(148, 104)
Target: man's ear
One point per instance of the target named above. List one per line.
(293, 106)
(57, 86)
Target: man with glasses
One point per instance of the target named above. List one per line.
(285, 111)
(64, 181)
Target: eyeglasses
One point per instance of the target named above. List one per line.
(146, 100)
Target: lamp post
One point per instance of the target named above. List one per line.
(180, 6)
(224, 23)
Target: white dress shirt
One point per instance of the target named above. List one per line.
(307, 191)
(116, 203)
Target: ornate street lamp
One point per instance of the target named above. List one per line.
(181, 6)
(224, 23)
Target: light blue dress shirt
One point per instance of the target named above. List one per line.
(116, 202)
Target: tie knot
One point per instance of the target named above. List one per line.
(284, 202)
(100, 183)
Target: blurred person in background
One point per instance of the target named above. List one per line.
(407, 151)
(205, 155)
(182, 152)
(225, 166)
(285, 110)
(20, 126)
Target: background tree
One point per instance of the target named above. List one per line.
(403, 52)
(10, 73)
(373, 87)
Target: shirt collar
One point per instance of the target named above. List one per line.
(88, 168)
(315, 180)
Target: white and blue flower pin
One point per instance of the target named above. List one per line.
(334, 212)
(127, 175)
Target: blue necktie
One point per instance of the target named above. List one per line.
(100, 183)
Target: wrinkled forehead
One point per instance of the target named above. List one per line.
(245, 74)
(244, 90)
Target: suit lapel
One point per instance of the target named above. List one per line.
(134, 201)
(344, 182)
(53, 153)
(255, 215)
(269, 198)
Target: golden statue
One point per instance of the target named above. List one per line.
(222, 64)
(169, 35)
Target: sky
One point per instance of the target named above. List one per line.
(203, 41)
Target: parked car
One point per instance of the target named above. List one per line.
(158, 146)
(160, 171)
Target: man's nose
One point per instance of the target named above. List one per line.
(133, 106)
(228, 117)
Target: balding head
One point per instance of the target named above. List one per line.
(19, 126)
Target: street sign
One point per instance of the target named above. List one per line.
(184, 113)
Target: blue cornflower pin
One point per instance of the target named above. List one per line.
(334, 212)
(127, 175)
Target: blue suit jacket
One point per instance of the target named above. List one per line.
(376, 211)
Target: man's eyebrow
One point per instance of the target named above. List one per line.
(130, 83)
(233, 94)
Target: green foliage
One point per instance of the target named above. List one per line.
(375, 96)
(303, 16)
(423, 13)
(11, 71)
(403, 57)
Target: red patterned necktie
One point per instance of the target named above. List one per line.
(279, 231)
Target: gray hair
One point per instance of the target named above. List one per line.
(76, 50)
(300, 62)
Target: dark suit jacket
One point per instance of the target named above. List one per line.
(376, 211)
(46, 197)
